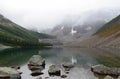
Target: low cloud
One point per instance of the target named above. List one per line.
(43, 14)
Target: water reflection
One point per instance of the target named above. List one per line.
(82, 57)
(15, 57)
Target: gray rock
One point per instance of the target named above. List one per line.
(103, 70)
(54, 70)
(32, 68)
(9, 73)
(119, 77)
(108, 77)
(36, 64)
(67, 66)
(36, 60)
(36, 73)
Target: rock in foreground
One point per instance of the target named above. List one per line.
(36, 60)
(36, 64)
(67, 66)
(103, 70)
(108, 77)
(54, 70)
(9, 73)
(36, 73)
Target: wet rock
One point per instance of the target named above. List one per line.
(36, 64)
(108, 77)
(36, 73)
(63, 76)
(9, 73)
(32, 68)
(54, 70)
(36, 60)
(103, 70)
(67, 66)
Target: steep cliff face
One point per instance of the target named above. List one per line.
(106, 36)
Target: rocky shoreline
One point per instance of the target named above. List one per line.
(37, 64)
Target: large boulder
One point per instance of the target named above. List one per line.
(9, 73)
(103, 70)
(36, 64)
(36, 60)
(54, 71)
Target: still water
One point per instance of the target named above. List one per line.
(84, 59)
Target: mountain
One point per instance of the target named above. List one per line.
(74, 29)
(15, 35)
(69, 33)
(77, 28)
(107, 36)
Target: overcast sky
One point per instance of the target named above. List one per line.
(43, 14)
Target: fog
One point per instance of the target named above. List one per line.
(44, 14)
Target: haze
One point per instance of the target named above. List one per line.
(44, 14)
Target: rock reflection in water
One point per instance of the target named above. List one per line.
(83, 59)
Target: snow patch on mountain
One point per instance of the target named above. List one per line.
(73, 31)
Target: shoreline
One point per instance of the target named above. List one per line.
(4, 47)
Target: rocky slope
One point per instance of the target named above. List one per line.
(76, 28)
(106, 36)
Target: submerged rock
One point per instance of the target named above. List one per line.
(54, 70)
(9, 73)
(103, 70)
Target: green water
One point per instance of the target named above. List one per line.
(84, 58)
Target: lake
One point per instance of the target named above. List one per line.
(84, 58)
